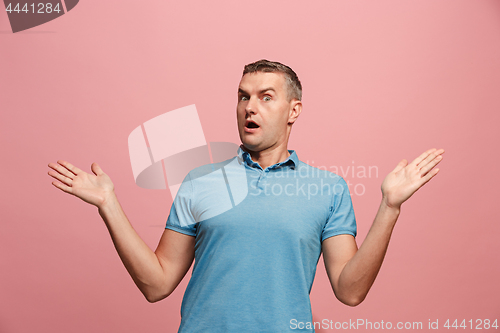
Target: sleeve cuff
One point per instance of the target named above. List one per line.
(182, 231)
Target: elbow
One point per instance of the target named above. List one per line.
(352, 300)
(352, 295)
(153, 297)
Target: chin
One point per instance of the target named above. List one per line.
(249, 146)
(252, 146)
(248, 142)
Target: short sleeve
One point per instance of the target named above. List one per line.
(341, 220)
(181, 218)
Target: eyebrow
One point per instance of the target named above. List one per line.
(241, 91)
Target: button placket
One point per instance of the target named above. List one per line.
(262, 179)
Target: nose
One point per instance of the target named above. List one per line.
(251, 106)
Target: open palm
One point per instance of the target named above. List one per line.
(93, 189)
(406, 179)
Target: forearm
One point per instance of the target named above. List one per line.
(359, 268)
(360, 272)
(140, 261)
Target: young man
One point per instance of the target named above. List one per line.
(255, 262)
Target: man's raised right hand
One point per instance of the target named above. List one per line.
(95, 189)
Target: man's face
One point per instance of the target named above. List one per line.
(264, 112)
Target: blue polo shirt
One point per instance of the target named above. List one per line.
(258, 240)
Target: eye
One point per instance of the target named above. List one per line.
(243, 98)
(267, 98)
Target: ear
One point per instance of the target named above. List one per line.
(295, 110)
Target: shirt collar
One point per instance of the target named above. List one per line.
(292, 160)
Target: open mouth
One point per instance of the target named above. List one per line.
(251, 124)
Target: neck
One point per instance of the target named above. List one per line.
(269, 156)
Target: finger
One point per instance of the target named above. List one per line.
(435, 161)
(400, 165)
(96, 169)
(424, 155)
(63, 179)
(63, 187)
(62, 170)
(70, 167)
(428, 177)
(430, 158)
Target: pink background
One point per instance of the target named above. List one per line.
(383, 80)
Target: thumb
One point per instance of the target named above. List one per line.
(400, 165)
(96, 169)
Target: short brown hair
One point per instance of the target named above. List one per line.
(293, 84)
